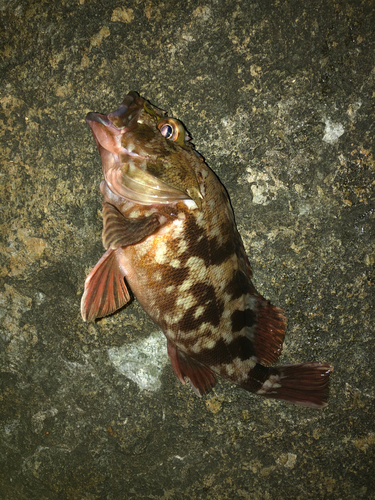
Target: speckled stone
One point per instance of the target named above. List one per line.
(278, 97)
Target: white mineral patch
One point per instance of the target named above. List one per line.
(259, 195)
(333, 131)
(142, 361)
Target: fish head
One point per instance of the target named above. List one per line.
(147, 157)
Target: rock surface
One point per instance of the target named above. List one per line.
(278, 97)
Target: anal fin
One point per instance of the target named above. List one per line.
(201, 378)
(105, 288)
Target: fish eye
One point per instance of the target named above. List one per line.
(173, 130)
(166, 131)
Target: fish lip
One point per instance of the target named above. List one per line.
(120, 111)
(99, 118)
(93, 117)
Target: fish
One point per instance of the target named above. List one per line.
(171, 241)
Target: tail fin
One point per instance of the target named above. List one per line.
(306, 384)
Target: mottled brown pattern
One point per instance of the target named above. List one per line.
(224, 353)
(215, 356)
(197, 242)
(240, 319)
(213, 309)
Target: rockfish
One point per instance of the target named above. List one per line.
(170, 238)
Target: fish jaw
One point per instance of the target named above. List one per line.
(108, 130)
(106, 135)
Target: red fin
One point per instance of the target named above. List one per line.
(269, 332)
(306, 384)
(119, 231)
(105, 289)
(201, 378)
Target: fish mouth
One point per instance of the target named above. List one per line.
(124, 116)
(98, 118)
(100, 125)
(108, 129)
(108, 135)
(128, 112)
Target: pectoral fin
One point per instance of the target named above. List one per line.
(105, 288)
(118, 231)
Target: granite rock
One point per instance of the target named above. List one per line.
(278, 97)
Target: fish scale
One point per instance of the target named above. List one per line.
(170, 238)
